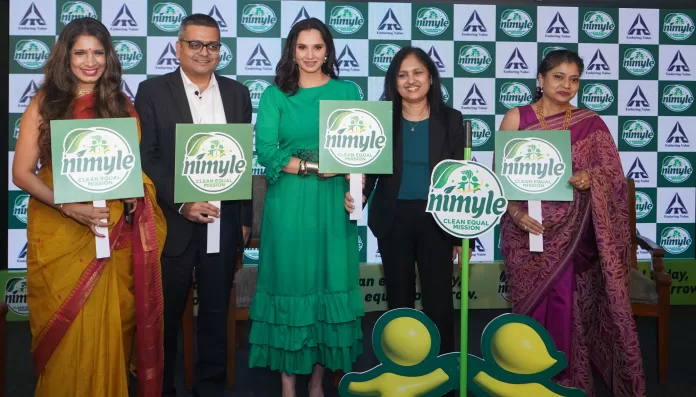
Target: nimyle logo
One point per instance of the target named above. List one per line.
(480, 132)
(256, 168)
(598, 25)
(466, 198)
(20, 208)
(31, 53)
(638, 61)
(445, 94)
(516, 23)
(597, 97)
(252, 253)
(346, 19)
(354, 137)
(389, 23)
(96, 159)
(532, 165)
(76, 9)
(360, 244)
(644, 205)
(548, 50)
(258, 18)
(256, 89)
(15, 132)
(128, 53)
(383, 55)
(678, 26)
(16, 295)
(214, 162)
(167, 17)
(432, 21)
(225, 55)
(675, 240)
(515, 94)
(676, 169)
(503, 288)
(474, 58)
(677, 97)
(637, 133)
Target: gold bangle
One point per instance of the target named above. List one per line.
(312, 167)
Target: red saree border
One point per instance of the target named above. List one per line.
(149, 302)
(52, 334)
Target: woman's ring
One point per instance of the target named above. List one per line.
(525, 228)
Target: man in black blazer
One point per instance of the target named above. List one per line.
(194, 94)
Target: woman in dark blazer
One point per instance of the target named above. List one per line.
(426, 131)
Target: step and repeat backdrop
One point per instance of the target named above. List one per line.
(640, 76)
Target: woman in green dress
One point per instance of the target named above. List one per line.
(307, 308)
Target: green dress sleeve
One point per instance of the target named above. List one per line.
(268, 150)
(354, 94)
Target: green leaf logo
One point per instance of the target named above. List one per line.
(442, 173)
(73, 140)
(336, 118)
(512, 147)
(194, 145)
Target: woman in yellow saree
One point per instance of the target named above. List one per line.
(84, 312)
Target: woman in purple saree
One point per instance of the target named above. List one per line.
(578, 287)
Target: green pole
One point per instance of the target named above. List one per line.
(464, 349)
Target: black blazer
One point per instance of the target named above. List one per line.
(446, 141)
(161, 103)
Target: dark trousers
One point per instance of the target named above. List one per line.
(415, 238)
(214, 276)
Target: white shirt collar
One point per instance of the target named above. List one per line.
(189, 84)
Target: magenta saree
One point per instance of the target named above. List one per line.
(578, 287)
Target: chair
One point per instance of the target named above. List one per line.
(650, 297)
(3, 346)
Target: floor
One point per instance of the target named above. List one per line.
(260, 382)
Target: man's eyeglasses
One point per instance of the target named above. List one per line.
(195, 45)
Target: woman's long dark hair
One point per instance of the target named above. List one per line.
(553, 59)
(59, 88)
(391, 92)
(287, 72)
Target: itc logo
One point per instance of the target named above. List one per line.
(389, 22)
(124, 18)
(598, 62)
(474, 97)
(637, 171)
(558, 25)
(639, 28)
(638, 99)
(32, 17)
(258, 57)
(474, 24)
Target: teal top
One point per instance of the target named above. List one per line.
(415, 176)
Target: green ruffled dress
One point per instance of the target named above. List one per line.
(308, 303)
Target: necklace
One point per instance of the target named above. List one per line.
(542, 120)
(413, 127)
(83, 92)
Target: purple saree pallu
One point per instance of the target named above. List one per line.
(578, 287)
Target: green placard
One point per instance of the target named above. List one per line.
(213, 162)
(355, 137)
(95, 159)
(534, 165)
(14, 287)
